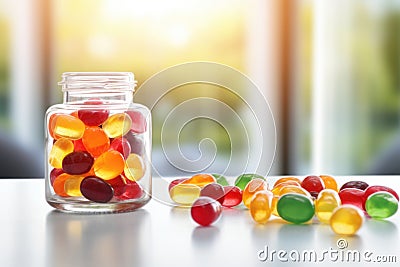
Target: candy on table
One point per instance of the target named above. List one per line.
(260, 206)
(95, 141)
(117, 125)
(313, 184)
(220, 179)
(184, 194)
(96, 189)
(352, 196)
(136, 143)
(328, 200)
(77, 163)
(59, 150)
(58, 184)
(134, 167)
(233, 196)
(251, 188)
(93, 117)
(214, 191)
(175, 182)
(205, 211)
(381, 205)
(346, 220)
(295, 208)
(378, 188)
(242, 180)
(329, 182)
(132, 190)
(67, 126)
(287, 179)
(355, 184)
(72, 186)
(278, 187)
(54, 173)
(139, 123)
(122, 146)
(279, 191)
(109, 165)
(200, 180)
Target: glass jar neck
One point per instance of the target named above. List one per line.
(107, 87)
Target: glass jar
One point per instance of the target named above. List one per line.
(98, 145)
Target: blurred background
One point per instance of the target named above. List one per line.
(329, 69)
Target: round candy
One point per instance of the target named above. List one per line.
(352, 196)
(134, 167)
(200, 180)
(346, 220)
(214, 191)
(295, 208)
(377, 188)
(328, 200)
(381, 205)
(260, 206)
(329, 182)
(313, 184)
(117, 125)
(131, 191)
(118, 184)
(108, 165)
(242, 180)
(251, 188)
(287, 179)
(77, 163)
(54, 174)
(72, 186)
(60, 149)
(93, 117)
(139, 123)
(68, 126)
(122, 146)
(175, 182)
(233, 196)
(136, 143)
(58, 184)
(78, 145)
(184, 194)
(95, 141)
(293, 189)
(96, 189)
(205, 211)
(355, 184)
(220, 179)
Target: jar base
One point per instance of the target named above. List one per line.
(96, 208)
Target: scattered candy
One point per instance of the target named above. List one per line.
(260, 206)
(313, 184)
(295, 208)
(184, 194)
(242, 180)
(233, 196)
(328, 200)
(251, 188)
(346, 220)
(214, 191)
(355, 184)
(329, 182)
(352, 196)
(205, 211)
(381, 205)
(220, 179)
(200, 180)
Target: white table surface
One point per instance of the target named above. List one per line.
(34, 234)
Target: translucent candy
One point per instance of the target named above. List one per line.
(122, 146)
(95, 141)
(72, 186)
(355, 184)
(295, 208)
(118, 184)
(59, 150)
(200, 180)
(287, 179)
(77, 163)
(220, 179)
(242, 180)
(134, 167)
(109, 165)
(233, 196)
(96, 189)
(260, 206)
(184, 194)
(252, 187)
(214, 191)
(346, 220)
(175, 182)
(68, 126)
(54, 173)
(313, 184)
(78, 145)
(139, 123)
(328, 200)
(205, 211)
(136, 143)
(352, 196)
(379, 188)
(329, 182)
(131, 191)
(58, 184)
(117, 125)
(93, 117)
(381, 205)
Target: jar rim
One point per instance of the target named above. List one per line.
(98, 80)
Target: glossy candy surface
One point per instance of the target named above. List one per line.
(135, 142)
(117, 125)
(93, 117)
(77, 163)
(54, 173)
(214, 191)
(134, 167)
(96, 189)
(295, 208)
(381, 205)
(68, 126)
(58, 184)
(287, 179)
(329, 182)
(242, 180)
(352, 196)
(184, 194)
(346, 220)
(251, 188)
(260, 206)
(139, 123)
(220, 179)
(377, 188)
(60, 149)
(72, 186)
(175, 182)
(108, 165)
(355, 184)
(131, 190)
(328, 200)
(200, 180)
(122, 146)
(205, 211)
(95, 141)
(233, 196)
(118, 184)
(313, 184)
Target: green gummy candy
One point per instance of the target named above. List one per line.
(220, 179)
(242, 180)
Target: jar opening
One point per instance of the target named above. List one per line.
(98, 81)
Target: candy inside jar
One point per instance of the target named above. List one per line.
(98, 145)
